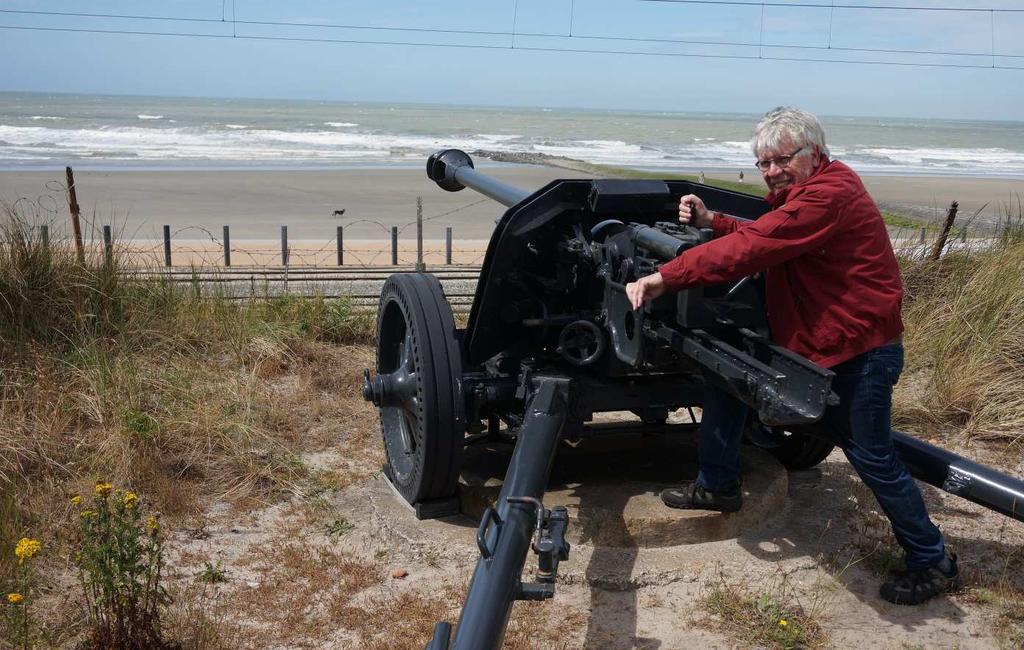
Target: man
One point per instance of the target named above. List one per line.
(833, 294)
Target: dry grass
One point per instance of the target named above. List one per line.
(1004, 610)
(301, 593)
(772, 617)
(182, 398)
(965, 344)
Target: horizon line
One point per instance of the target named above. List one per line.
(304, 100)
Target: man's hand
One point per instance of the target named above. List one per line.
(646, 288)
(692, 209)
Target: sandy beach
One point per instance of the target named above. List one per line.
(255, 204)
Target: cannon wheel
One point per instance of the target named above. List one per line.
(416, 345)
(801, 451)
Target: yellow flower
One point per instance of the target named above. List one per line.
(15, 598)
(26, 548)
(88, 513)
(103, 488)
(782, 622)
(129, 499)
(75, 500)
(152, 524)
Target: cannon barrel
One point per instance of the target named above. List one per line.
(453, 170)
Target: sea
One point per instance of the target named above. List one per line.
(47, 131)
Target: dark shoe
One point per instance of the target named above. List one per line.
(691, 496)
(915, 587)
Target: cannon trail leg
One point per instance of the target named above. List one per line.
(964, 478)
(505, 533)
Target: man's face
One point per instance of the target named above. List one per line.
(800, 167)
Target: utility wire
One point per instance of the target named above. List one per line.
(556, 49)
(635, 39)
(820, 5)
(514, 33)
(760, 45)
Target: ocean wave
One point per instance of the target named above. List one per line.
(341, 125)
(47, 117)
(240, 143)
(992, 160)
(150, 117)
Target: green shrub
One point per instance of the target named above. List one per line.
(120, 564)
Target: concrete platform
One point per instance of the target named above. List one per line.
(611, 487)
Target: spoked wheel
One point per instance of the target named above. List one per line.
(417, 387)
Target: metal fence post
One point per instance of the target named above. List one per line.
(167, 245)
(448, 245)
(341, 246)
(394, 245)
(44, 235)
(284, 245)
(227, 246)
(420, 267)
(108, 245)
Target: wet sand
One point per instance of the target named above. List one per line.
(255, 204)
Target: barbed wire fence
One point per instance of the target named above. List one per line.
(199, 246)
(206, 250)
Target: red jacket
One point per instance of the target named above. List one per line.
(833, 287)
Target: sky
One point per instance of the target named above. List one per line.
(678, 55)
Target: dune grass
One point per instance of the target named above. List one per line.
(965, 342)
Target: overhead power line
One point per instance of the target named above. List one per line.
(635, 39)
(991, 55)
(698, 55)
(823, 5)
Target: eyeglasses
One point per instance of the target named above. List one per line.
(780, 161)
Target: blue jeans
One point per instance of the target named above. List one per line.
(862, 425)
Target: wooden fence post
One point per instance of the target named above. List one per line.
(73, 206)
(227, 246)
(940, 243)
(44, 235)
(448, 245)
(341, 247)
(167, 245)
(108, 246)
(284, 245)
(394, 245)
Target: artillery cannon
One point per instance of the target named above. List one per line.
(551, 340)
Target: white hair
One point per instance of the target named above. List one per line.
(786, 122)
